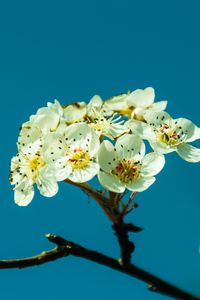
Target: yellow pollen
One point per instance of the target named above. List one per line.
(168, 136)
(79, 159)
(126, 170)
(35, 164)
(100, 125)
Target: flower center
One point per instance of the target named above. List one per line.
(126, 170)
(35, 164)
(100, 124)
(168, 135)
(79, 159)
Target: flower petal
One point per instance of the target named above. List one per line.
(141, 129)
(141, 98)
(116, 103)
(94, 104)
(106, 156)
(158, 106)
(141, 184)
(47, 186)
(152, 164)
(23, 194)
(46, 181)
(56, 107)
(61, 169)
(46, 122)
(162, 148)
(111, 182)
(189, 152)
(188, 129)
(81, 135)
(130, 146)
(28, 135)
(115, 130)
(157, 119)
(54, 147)
(86, 174)
(75, 112)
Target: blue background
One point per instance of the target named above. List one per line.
(71, 50)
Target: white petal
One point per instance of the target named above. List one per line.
(56, 107)
(47, 186)
(130, 146)
(75, 112)
(152, 164)
(187, 129)
(78, 132)
(116, 103)
(106, 156)
(61, 169)
(81, 135)
(46, 181)
(156, 119)
(29, 150)
(141, 129)
(115, 130)
(158, 106)
(46, 122)
(141, 184)
(86, 174)
(93, 143)
(54, 147)
(28, 135)
(140, 113)
(141, 98)
(111, 182)
(94, 104)
(162, 148)
(188, 152)
(23, 194)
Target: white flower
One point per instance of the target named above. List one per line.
(28, 168)
(28, 135)
(136, 104)
(74, 112)
(103, 120)
(167, 135)
(142, 102)
(126, 166)
(47, 118)
(73, 154)
(118, 104)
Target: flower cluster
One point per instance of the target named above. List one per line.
(102, 139)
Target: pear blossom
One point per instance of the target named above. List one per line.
(166, 135)
(125, 165)
(47, 118)
(54, 117)
(118, 104)
(28, 168)
(104, 121)
(143, 102)
(75, 112)
(136, 104)
(73, 154)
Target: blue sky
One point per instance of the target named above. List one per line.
(71, 50)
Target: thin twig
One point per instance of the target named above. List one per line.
(105, 203)
(66, 248)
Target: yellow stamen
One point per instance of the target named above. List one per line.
(35, 164)
(80, 159)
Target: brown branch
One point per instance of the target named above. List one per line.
(66, 248)
(121, 230)
(105, 203)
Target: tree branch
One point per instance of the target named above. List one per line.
(105, 203)
(66, 248)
